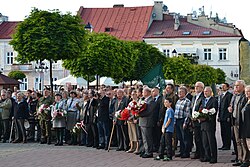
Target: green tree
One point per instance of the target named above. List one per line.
(205, 74)
(146, 58)
(179, 69)
(105, 55)
(221, 76)
(16, 75)
(49, 35)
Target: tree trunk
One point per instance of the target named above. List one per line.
(51, 76)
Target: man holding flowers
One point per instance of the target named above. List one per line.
(208, 125)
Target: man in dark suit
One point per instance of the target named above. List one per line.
(121, 127)
(224, 116)
(103, 121)
(146, 122)
(157, 125)
(195, 106)
(90, 119)
(208, 127)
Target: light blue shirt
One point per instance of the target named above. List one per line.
(169, 115)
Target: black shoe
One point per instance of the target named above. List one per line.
(119, 149)
(100, 147)
(213, 161)
(237, 164)
(57, 144)
(142, 153)
(178, 155)
(245, 164)
(195, 157)
(221, 148)
(42, 142)
(225, 148)
(89, 145)
(147, 156)
(234, 160)
(205, 160)
(185, 156)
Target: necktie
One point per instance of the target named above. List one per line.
(71, 102)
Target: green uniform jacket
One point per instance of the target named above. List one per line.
(46, 115)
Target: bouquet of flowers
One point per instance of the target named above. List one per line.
(43, 109)
(59, 113)
(203, 113)
(138, 107)
(124, 114)
(118, 114)
(78, 126)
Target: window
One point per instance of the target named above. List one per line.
(166, 52)
(186, 32)
(9, 58)
(38, 84)
(222, 54)
(24, 84)
(207, 54)
(206, 32)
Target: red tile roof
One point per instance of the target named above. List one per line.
(165, 29)
(126, 23)
(7, 29)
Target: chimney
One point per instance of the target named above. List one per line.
(3, 18)
(158, 10)
(176, 22)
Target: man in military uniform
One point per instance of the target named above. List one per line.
(44, 116)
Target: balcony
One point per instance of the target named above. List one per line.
(22, 67)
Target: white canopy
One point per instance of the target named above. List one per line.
(104, 81)
(71, 79)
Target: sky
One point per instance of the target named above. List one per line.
(236, 12)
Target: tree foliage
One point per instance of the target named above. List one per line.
(147, 57)
(16, 75)
(221, 76)
(105, 55)
(48, 35)
(179, 69)
(205, 74)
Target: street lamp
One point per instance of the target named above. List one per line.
(41, 68)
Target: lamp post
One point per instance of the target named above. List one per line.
(41, 68)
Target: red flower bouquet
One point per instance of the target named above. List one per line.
(138, 107)
(125, 114)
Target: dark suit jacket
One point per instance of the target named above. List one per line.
(245, 123)
(157, 108)
(225, 101)
(210, 123)
(103, 109)
(146, 116)
(196, 107)
(90, 114)
(123, 104)
(21, 110)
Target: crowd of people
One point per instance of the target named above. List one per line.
(139, 120)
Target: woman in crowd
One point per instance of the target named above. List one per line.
(59, 119)
(134, 144)
(21, 112)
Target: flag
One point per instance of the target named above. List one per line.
(154, 78)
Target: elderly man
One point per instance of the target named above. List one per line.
(208, 127)
(5, 106)
(182, 110)
(146, 123)
(237, 104)
(121, 127)
(195, 106)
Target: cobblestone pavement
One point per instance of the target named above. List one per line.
(37, 155)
